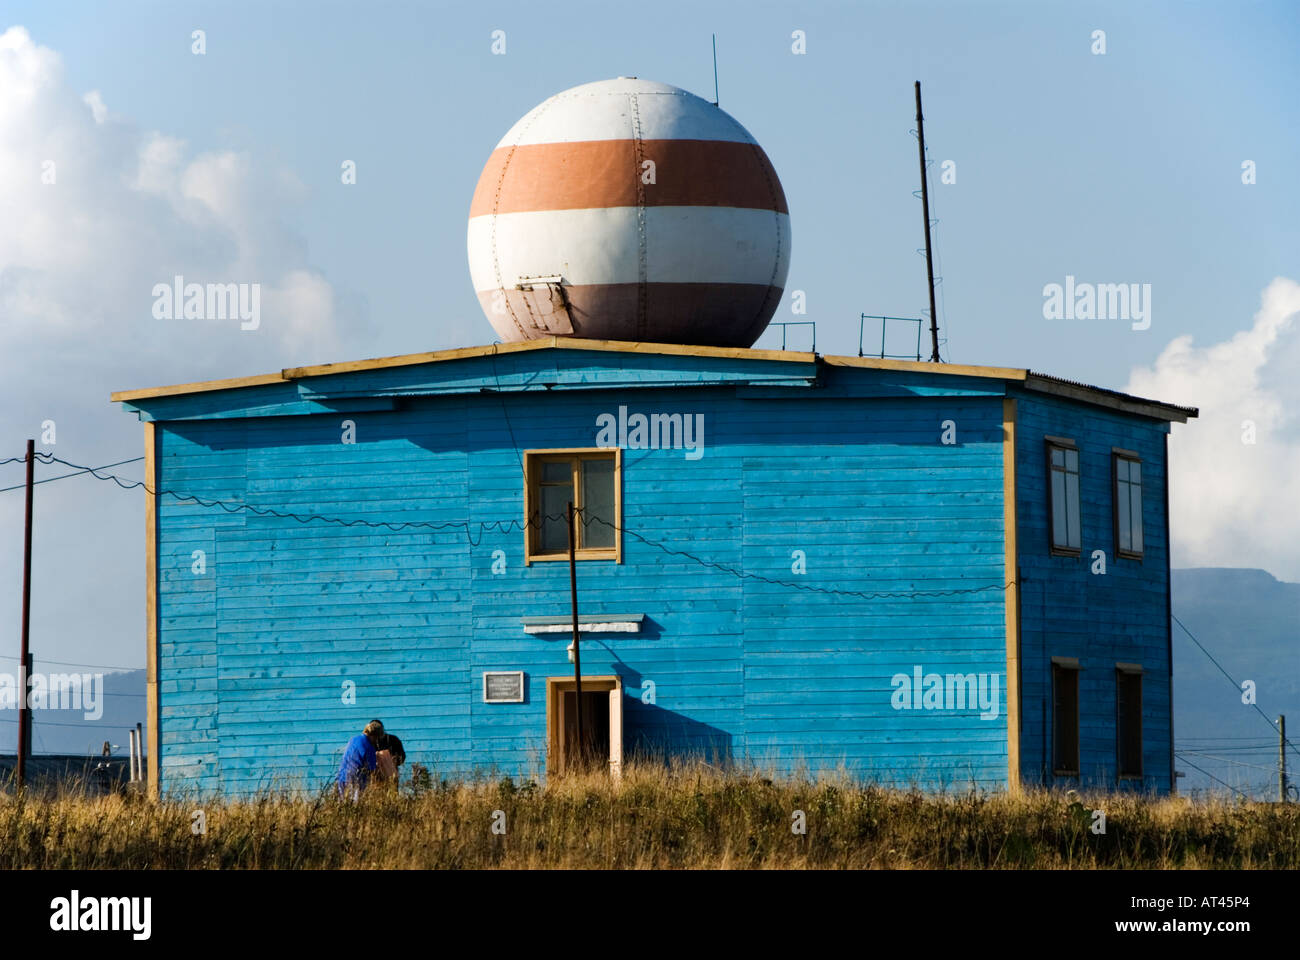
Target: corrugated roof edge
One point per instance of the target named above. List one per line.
(1034, 381)
(1087, 393)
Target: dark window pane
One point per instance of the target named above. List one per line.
(557, 471)
(1058, 508)
(1129, 726)
(1135, 513)
(1121, 468)
(1058, 457)
(1065, 724)
(554, 534)
(1072, 461)
(1073, 538)
(598, 502)
(1123, 522)
(1135, 471)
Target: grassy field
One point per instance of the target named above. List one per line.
(657, 818)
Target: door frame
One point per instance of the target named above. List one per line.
(555, 688)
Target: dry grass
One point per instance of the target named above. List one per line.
(686, 817)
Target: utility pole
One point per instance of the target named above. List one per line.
(925, 213)
(577, 653)
(24, 658)
(1281, 758)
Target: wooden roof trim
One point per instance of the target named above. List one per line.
(1031, 380)
(460, 353)
(200, 387)
(925, 366)
(563, 343)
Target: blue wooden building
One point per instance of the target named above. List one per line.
(921, 573)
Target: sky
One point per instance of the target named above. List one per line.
(126, 158)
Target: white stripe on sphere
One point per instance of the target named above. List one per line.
(603, 111)
(683, 245)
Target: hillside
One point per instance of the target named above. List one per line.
(1250, 622)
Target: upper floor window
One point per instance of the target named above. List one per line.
(589, 478)
(1128, 504)
(1063, 471)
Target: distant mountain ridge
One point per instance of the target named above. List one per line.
(68, 732)
(1250, 622)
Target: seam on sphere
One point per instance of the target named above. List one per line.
(496, 205)
(643, 273)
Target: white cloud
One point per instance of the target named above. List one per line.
(1232, 503)
(128, 208)
(98, 110)
(98, 210)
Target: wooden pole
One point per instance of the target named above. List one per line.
(577, 654)
(24, 660)
(1281, 758)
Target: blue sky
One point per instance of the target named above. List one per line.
(1123, 167)
(1116, 168)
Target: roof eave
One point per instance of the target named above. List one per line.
(1113, 399)
(1042, 383)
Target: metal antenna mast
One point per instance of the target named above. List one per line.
(925, 212)
(715, 70)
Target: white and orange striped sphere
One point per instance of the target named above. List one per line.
(629, 210)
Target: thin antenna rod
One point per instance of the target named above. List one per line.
(925, 212)
(715, 70)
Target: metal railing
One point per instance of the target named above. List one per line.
(884, 323)
(797, 323)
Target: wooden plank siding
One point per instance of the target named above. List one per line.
(298, 633)
(1068, 611)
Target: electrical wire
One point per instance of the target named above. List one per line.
(1211, 776)
(59, 723)
(69, 663)
(1235, 685)
(504, 412)
(64, 476)
(508, 526)
(1206, 756)
(857, 594)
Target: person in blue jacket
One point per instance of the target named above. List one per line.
(359, 760)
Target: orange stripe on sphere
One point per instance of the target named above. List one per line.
(609, 173)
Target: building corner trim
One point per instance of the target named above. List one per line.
(1011, 579)
(1169, 625)
(151, 605)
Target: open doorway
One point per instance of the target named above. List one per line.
(601, 746)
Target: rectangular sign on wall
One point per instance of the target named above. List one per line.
(506, 686)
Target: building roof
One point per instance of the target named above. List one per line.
(1028, 379)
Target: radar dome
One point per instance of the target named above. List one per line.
(629, 210)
